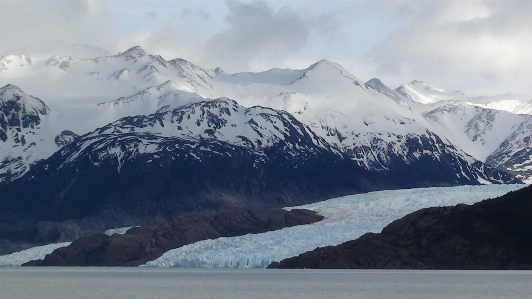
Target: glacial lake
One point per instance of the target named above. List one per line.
(116, 283)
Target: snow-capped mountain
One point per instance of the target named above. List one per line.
(515, 152)
(121, 139)
(492, 129)
(208, 155)
(21, 119)
(212, 155)
(430, 97)
(479, 131)
(360, 120)
(424, 93)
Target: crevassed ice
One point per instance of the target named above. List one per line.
(346, 218)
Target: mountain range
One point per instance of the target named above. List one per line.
(132, 136)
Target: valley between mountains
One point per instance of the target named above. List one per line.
(93, 143)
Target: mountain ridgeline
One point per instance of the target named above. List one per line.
(175, 138)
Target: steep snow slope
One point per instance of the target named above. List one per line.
(377, 84)
(22, 118)
(374, 130)
(257, 127)
(478, 131)
(424, 97)
(512, 102)
(492, 129)
(424, 93)
(346, 218)
(515, 153)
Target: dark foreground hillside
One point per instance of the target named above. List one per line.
(492, 234)
(142, 244)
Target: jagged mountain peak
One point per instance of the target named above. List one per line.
(421, 84)
(218, 71)
(21, 117)
(380, 87)
(374, 82)
(428, 87)
(62, 62)
(9, 88)
(181, 63)
(324, 71)
(12, 93)
(327, 64)
(424, 93)
(132, 53)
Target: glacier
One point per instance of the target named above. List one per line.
(34, 253)
(346, 218)
(39, 252)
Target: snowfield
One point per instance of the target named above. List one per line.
(346, 218)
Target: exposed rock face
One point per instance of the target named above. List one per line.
(121, 175)
(146, 243)
(21, 116)
(492, 234)
(65, 138)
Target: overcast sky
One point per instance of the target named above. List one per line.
(479, 47)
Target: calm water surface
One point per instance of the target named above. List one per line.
(119, 283)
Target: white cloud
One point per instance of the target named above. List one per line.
(24, 22)
(481, 47)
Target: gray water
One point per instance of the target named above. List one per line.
(119, 283)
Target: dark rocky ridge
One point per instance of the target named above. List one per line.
(114, 177)
(492, 234)
(127, 172)
(142, 244)
(52, 204)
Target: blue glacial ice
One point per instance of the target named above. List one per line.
(346, 218)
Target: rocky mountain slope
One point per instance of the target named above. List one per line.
(492, 129)
(492, 234)
(21, 119)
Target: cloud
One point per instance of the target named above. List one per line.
(257, 36)
(24, 22)
(199, 13)
(152, 14)
(480, 47)
(170, 41)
